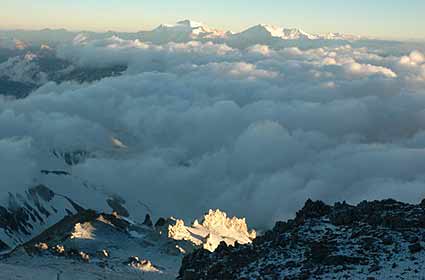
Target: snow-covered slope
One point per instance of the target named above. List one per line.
(111, 245)
(23, 216)
(269, 31)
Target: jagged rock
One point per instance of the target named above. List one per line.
(59, 250)
(148, 222)
(312, 209)
(282, 227)
(84, 256)
(103, 253)
(216, 227)
(343, 214)
(42, 246)
(143, 265)
(160, 222)
(117, 205)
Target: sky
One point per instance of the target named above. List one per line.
(379, 18)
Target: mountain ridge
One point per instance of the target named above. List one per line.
(372, 240)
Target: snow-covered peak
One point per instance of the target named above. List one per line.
(182, 31)
(286, 33)
(182, 26)
(271, 29)
(215, 228)
(190, 23)
(296, 34)
(264, 31)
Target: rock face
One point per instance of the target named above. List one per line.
(216, 227)
(373, 240)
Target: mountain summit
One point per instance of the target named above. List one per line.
(182, 31)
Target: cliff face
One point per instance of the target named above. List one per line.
(373, 240)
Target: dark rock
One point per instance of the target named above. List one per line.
(422, 204)
(190, 274)
(312, 209)
(415, 248)
(318, 252)
(374, 268)
(387, 240)
(3, 246)
(116, 203)
(148, 222)
(161, 222)
(55, 172)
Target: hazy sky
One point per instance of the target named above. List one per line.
(382, 18)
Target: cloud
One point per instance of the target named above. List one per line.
(368, 69)
(18, 168)
(414, 58)
(253, 131)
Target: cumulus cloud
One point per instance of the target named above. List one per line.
(368, 69)
(253, 131)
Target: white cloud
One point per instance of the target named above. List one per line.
(368, 69)
(253, 131)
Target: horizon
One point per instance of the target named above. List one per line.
(399, 21)
(388, 38)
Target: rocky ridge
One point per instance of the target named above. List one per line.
(372, 240)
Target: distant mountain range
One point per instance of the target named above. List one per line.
(182, 31)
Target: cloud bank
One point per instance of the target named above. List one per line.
(253, 131)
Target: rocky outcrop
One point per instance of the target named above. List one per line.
(216, 227)
(142, 265)
(372, 240)
(117, 205)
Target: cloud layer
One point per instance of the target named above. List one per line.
(252, 131)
